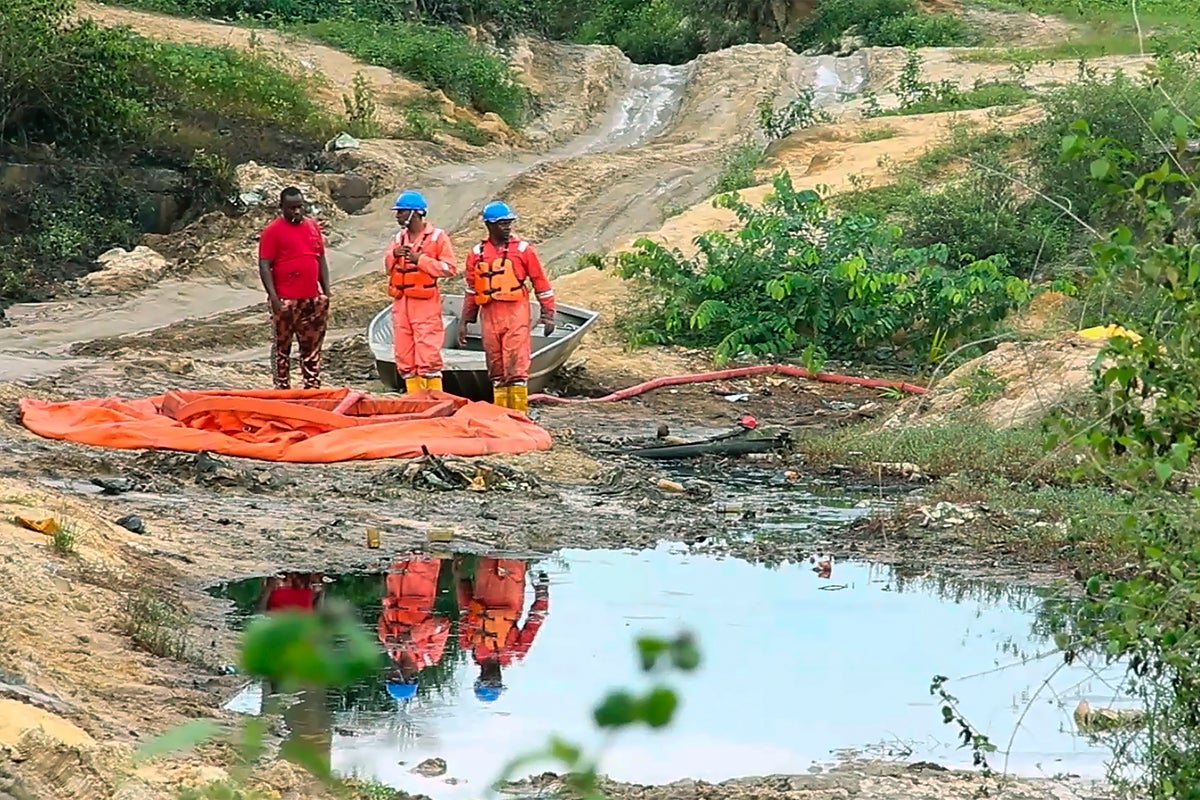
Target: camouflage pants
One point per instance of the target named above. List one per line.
(304, 320)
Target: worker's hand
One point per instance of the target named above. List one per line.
(403, 251)
(547, 325)
(275, 303)
(461, 337)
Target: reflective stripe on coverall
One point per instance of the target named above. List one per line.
(491, 607)
(417, 303)
(496, 292)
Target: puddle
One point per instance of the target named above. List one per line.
(796, 670)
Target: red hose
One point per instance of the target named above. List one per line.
(738, 372)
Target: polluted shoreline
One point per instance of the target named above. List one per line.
(809, 662)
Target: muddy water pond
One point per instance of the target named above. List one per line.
(801, 666)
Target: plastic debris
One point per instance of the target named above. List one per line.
(47, 525)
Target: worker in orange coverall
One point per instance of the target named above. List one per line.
(413, 636)
(490, 605)
(417, 257)
(497, 270)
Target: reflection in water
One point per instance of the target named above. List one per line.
(491, 599)
(794, 667)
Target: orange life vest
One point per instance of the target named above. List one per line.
(498, 279)
(405, 279)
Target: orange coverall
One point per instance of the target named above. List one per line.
(417, 302)
(413, 636)
(491, 607)
(501, 299)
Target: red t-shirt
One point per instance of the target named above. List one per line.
(284, 597)
(294, 251)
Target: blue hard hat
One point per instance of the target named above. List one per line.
(488, 694)
(401, 691)
(410, 201)
(498, 210)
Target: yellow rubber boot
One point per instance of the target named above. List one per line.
(413, 385)
(500, 396)
(518, 398)
(434, 383)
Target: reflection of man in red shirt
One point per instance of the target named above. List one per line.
(293, 270)
(490, 604)
(298, 591)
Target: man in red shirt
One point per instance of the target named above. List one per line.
(293, 269)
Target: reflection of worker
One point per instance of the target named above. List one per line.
(497, 269)
(413, 636)
(416, 258)
(491, 604)
(299, 591)
(295, 275)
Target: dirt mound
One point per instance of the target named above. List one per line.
(572, 85)
(1016, 384)
(224, 246)
(124, 271)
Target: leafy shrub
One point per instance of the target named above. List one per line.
(439, 57)
(981, 215)
(796, 278)
(880, 23)
(738, 168)
(648, 31)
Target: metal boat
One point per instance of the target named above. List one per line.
(465, 373)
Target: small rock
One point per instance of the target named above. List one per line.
(665, 485)
(132, 523)
(343, 141)
(113, 485)
(431, 767)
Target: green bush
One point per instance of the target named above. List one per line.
(880, 23)
(648, 31)
(108, 100)
(796, 279)
(439, 57)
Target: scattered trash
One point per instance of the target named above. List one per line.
(431, 767)
(670, 486)
(373, 538)
(904, 469)
(446, 474)
(946, 514)
(1099, 720)
(441, 535)
(47, 525)
(737, 398)
(132, 523)
(343, 141)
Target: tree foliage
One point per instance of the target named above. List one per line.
(796, 278)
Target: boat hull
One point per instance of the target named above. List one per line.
(465, 372)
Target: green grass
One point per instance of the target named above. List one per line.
(439, 57)
(156, 624)
(738, 168)
(985, 95)
(949, 448)
(1105, 28)
(877, 134)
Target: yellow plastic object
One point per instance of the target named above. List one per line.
(46, 525)
(373, 538)
(1108, 332)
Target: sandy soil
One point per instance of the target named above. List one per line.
(208, 520)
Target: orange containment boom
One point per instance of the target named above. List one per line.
(299, 425)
